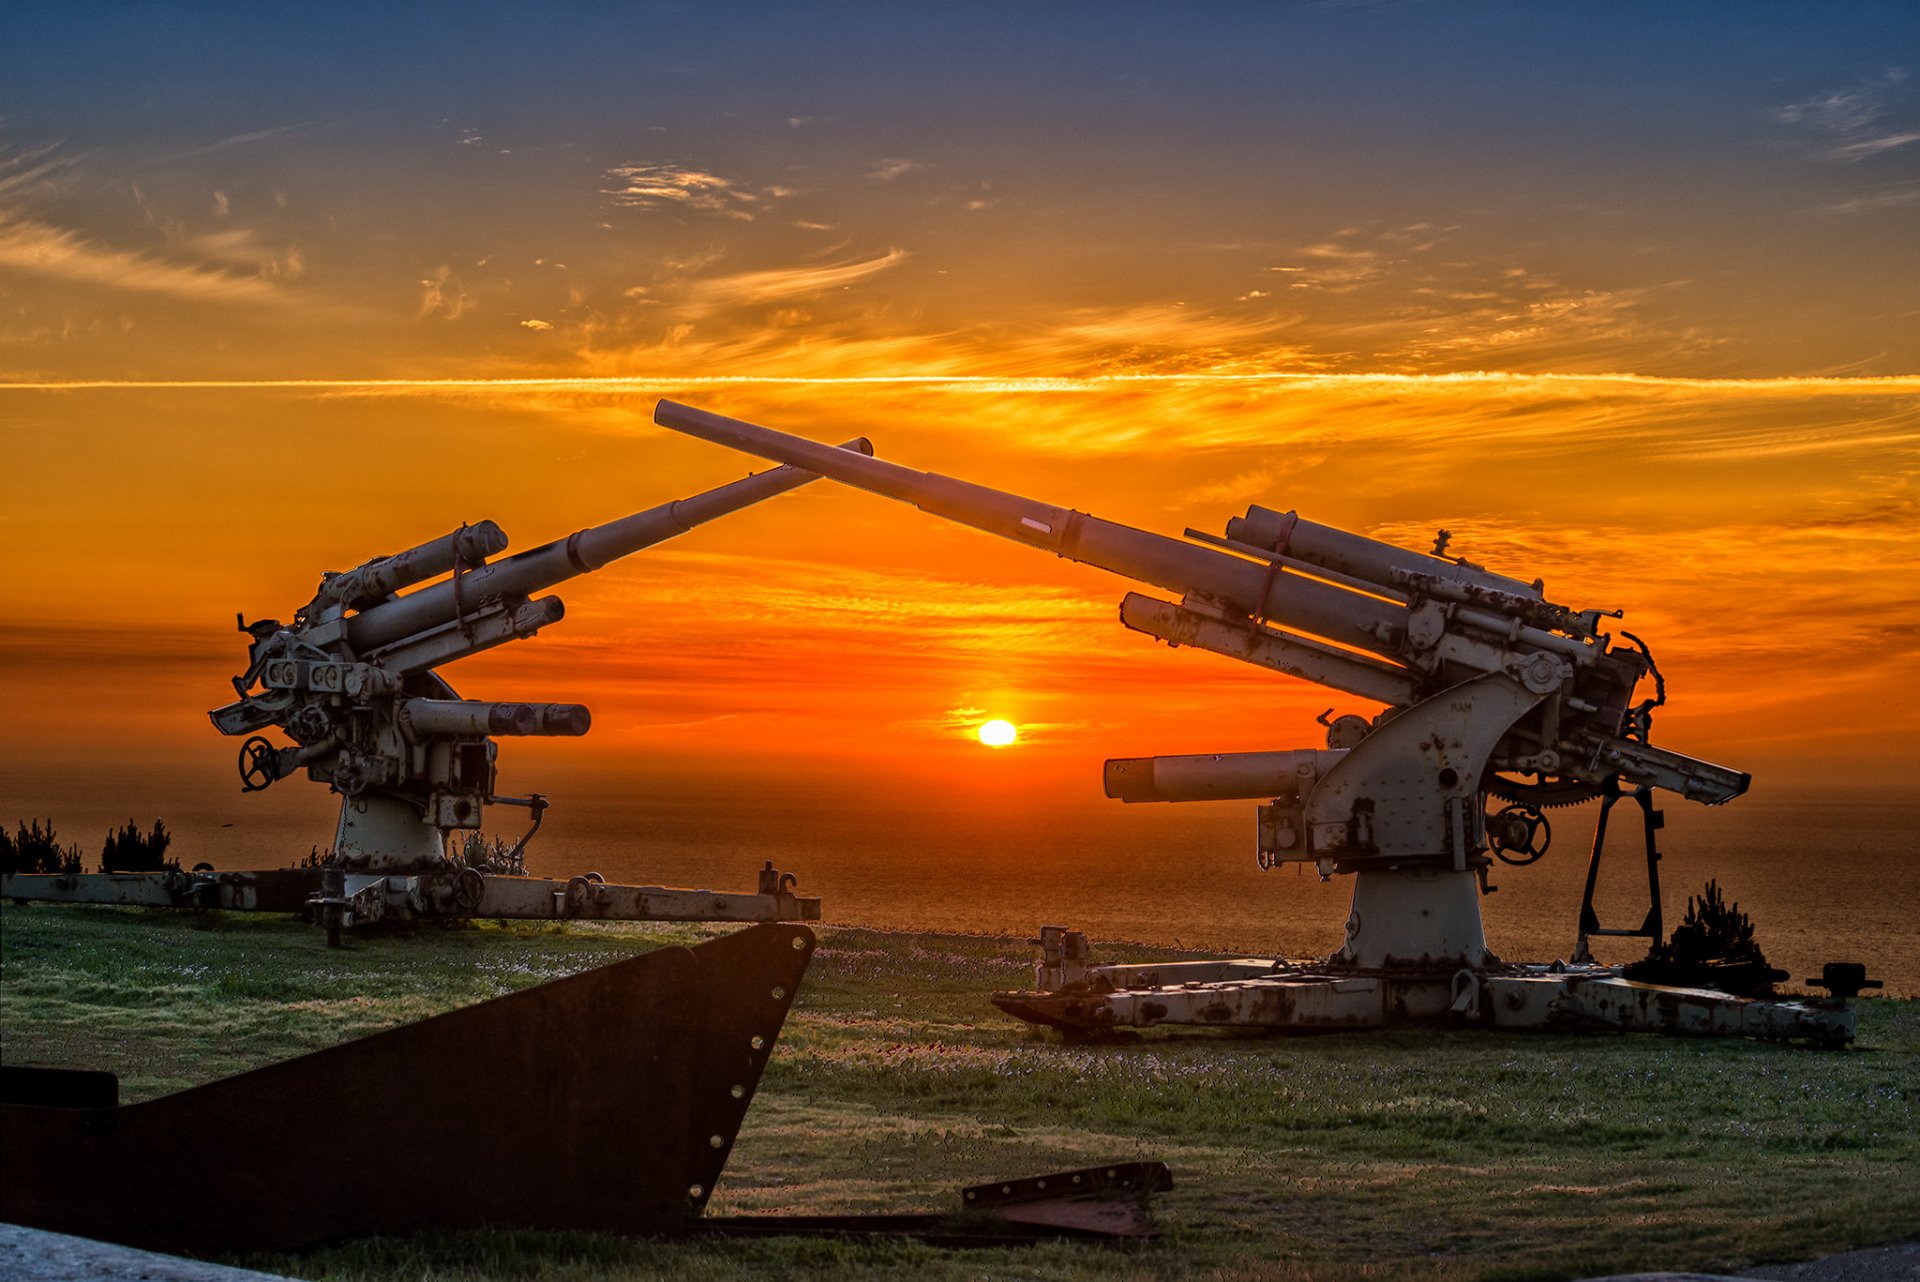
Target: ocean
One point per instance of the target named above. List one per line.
(1825, 874)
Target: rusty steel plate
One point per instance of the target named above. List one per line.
(607, 1101)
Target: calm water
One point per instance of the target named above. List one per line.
(1824, 876)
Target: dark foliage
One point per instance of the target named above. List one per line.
(36, 849)
(1713, 947)
(491, 855)
(130, 850)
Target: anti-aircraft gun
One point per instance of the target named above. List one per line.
(1491, 691)
(354, 682)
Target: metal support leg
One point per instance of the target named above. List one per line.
(1652, 926)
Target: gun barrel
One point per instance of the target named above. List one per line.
(1355, 555)
(579, 553)
(1220, 776)
(374, 581)
(470, 718)
(1249, 588)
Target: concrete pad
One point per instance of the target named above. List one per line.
(35, 1255)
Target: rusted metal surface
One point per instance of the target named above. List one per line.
(349, 899)
(1308, 997)
(1108, 1203)
(607, 1101)
(1576, 1003)
(276, 890)
(339, 900)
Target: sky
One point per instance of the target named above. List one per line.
(1627, 297)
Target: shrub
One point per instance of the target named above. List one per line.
(1713, 947)
(36, 849)
(491, 854)
(130, 850)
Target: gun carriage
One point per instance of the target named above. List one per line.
(354, 682)
(1491, 694)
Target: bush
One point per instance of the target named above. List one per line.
(35, 849)
(129, 850)
(1713, 948)
(491, 854)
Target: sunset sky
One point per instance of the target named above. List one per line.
(1627, 297)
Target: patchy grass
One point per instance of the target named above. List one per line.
(1446, 1155)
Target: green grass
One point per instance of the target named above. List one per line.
(1442, 1155)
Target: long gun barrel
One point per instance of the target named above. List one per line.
(1382, 622)
(1246, 587)
(542, 567)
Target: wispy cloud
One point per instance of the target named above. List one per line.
(1356, 256)
(233, 141)
(1854, 123)
(38, 249)
(667, 186)
(441, 294)
(194, 268)
(1895, 197)
(782, 283)
(894, 167)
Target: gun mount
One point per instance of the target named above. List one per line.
(1490, 691)
(354, 682)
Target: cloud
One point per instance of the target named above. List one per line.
(25, 172)
(536, 325)
(656, 187)
(781, 283)
(894, 167)
(38, 249)
(194, 268)
(442, 295)
(1247, 487)
(238, 140)
(242, 247)
(1895, 197)
(1333, 265)
(1854, 121)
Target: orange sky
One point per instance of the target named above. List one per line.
(253, 327)
(1760, 535)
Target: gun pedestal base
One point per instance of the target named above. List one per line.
(1083, 1000)
(379, 833)
(1422, 918)
(340, 900)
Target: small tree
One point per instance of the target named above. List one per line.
(36, 849)
(1713, 947)
(130, 850)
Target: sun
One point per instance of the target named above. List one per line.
(998, 734)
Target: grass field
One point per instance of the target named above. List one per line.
(1437, 1155)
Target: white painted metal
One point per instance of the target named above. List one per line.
(1480, 674)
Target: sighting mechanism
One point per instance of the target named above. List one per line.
(1493, 698)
